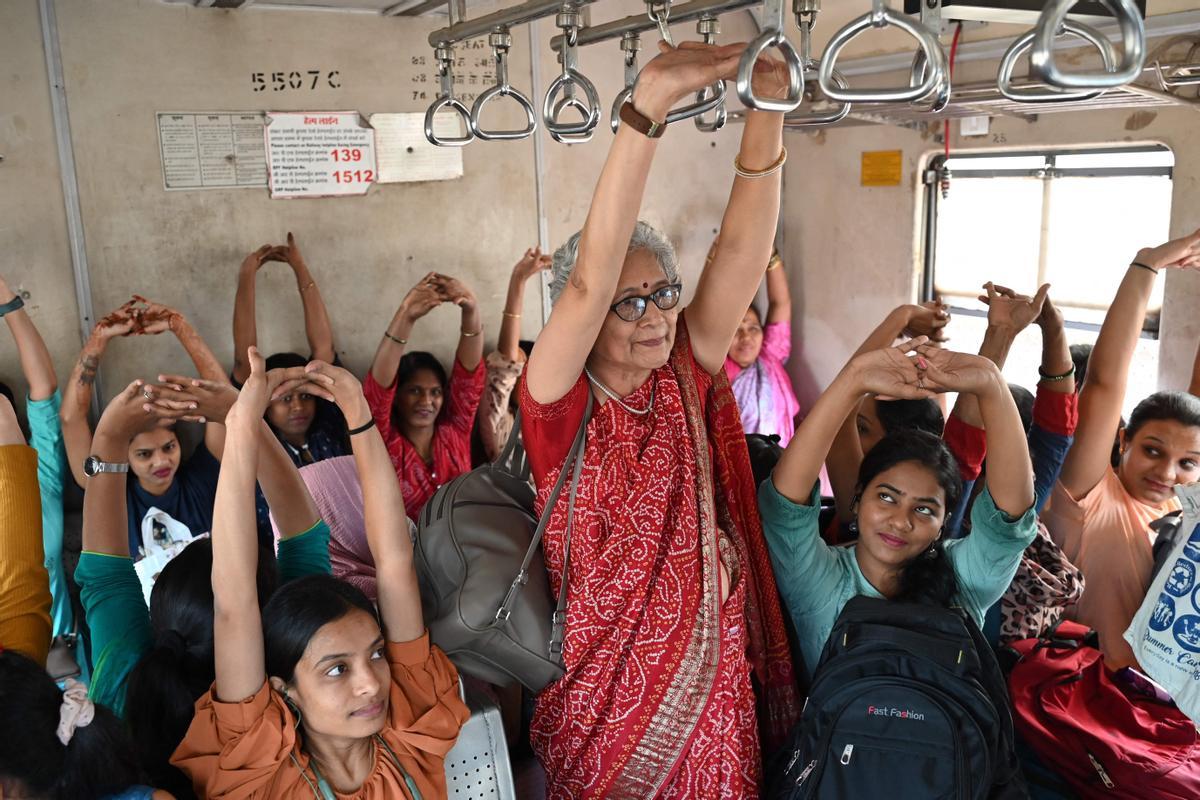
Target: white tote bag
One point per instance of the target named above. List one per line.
(1165, 632)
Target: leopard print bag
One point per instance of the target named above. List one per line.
(1045, 585)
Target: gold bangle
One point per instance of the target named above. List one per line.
(510, 315)
(472, 333)
(760, 173)
(394, 339)
(309, 286)
(775, 263)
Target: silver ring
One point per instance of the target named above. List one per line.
(146, 393)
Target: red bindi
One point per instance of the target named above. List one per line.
(645, 286)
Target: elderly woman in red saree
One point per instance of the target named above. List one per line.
(676, 658)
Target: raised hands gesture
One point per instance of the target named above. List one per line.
(1181, 253)
(895, 373)
(1007, 309)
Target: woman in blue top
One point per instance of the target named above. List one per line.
(905, 487)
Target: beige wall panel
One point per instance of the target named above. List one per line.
(33, 225)
(125, 60)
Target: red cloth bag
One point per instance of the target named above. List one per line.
(1103, 739)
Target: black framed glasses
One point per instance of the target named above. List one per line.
(631, 309)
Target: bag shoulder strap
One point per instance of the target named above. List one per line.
(559, 626)
(576, 453)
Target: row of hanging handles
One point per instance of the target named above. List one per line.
(928, 86)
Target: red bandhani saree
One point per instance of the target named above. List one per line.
(659, 696)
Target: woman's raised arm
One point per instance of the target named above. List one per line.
(569, 334)
(399, 598)
(1103, 391)
(77, 394)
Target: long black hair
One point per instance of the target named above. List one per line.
(99, 760)
(179, 667)
(298, 610)
(928, 578)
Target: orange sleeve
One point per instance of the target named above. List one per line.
(24, 583)
(238, 749)
(426, 711)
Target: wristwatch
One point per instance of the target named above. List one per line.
(641, 123)
(11, 305)
(93, 466)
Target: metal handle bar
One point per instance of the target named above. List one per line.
(806, 12)
(941, 94)
(1180, 75)
(501, 40)
(591, 111)
(631, 43)
(881, 17)
(772, 36)
(445, 58)
(568, 20)
(708, 26)
(1047, 93)
(1133, 40)
(637, 23)
(504, 18)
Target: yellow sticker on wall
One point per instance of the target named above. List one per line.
(882, 167)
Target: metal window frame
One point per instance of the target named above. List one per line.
(931, 180)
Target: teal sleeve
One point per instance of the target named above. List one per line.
(119, 621)
(807, 570)
(45, 436)
(985, 561)
(305, 554)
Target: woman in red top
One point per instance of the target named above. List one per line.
(425, 417)
(672, 607)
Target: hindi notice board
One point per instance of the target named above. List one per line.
(882, 168)
(319, 154)
(405, 155)
(212, 149)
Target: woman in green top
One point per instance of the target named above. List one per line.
(906, 486)
(150, 665)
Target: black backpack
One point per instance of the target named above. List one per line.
(907, 703)
(1167, 528)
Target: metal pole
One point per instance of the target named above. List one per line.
(517, 15)
(539, 165)
(931, 178)
(70, 181)
(641, 22)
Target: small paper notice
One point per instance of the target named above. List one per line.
(319, 154)
(405, 155)
(882, 168)
(212, 150)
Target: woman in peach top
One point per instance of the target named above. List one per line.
(1100, 516)
(319, 697)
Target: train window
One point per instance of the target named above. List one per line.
(1072, 219)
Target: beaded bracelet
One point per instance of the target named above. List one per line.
(1054, 378)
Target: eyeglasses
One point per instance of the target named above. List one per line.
(631, 309)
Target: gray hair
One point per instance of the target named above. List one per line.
(644, 237)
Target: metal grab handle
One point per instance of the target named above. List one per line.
(568, 20)
(806, 19)
(881, 17)
(772, 36)
(501, 40)
(1174, 75)
(445, 58)
(631, 43)
(708, 26)
(703, 104)
(579, 131)
(719, 119)
(1133, 40)
(1047, 93)
(941, 94)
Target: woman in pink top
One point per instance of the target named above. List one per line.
(756, 358)
(1100, 516)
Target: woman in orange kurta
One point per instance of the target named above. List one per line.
(316, 698)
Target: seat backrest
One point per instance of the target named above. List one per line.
(478, 767)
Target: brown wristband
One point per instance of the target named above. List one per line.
(641, 123)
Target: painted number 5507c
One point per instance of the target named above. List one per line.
(293, 80)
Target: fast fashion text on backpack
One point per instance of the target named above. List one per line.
(907, 702)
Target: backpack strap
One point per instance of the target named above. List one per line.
(512, 458)
(559, 627)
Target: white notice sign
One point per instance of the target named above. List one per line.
(319, 154)
(212, 150)
(405, 155)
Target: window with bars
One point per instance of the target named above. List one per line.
(1070, 218)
